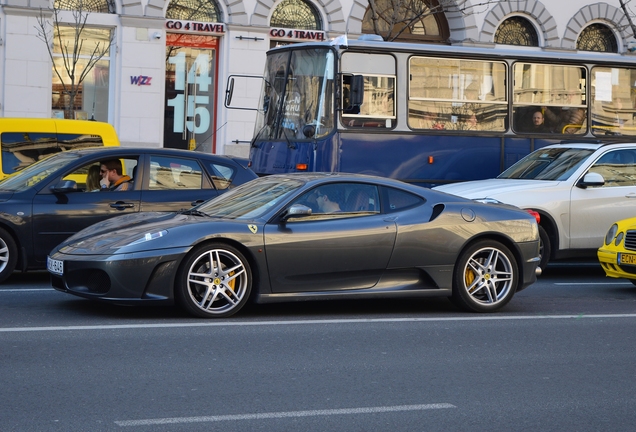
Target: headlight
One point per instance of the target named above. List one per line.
(149, 236)
(611, 234)
(619, 238)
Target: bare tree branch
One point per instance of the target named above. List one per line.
(76, 62)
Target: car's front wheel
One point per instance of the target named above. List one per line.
(485, 277)
(8, 255)
(214, 280)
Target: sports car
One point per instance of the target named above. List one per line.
(617, 255)
(306, 236)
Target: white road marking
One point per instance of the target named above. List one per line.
(594, 283)
(26, 289)
(287, 414)
(305, 322)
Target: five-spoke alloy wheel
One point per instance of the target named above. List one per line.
(485, 277)
(214, 280)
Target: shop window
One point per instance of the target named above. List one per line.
(87, 97)
(517, 31)
(597, 37)
(412, 21)
(194, 10)
(296, 14)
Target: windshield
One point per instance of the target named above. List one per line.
(35, 173)
(548, 164)
(297, 97)
(250, 200)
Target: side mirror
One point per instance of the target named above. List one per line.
(64, 186)
(309, 131)
(296, 210)
(591, 179)
(357, 90)
(229, 92)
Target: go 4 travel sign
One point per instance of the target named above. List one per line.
(191, 80)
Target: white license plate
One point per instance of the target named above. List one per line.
(55, 266)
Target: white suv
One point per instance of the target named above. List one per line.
(578, 189)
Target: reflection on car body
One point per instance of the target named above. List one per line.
(264, 239)
(48, 201)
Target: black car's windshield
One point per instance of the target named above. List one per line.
(548, 164)
(250, 200)
(35, 173)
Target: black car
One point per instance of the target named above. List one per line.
(48, 201)
(306, 236)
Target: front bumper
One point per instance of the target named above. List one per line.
(143, 277)
(609, 261)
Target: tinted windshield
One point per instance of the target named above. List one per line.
(297, 92)
(252, 199)
(548, 164)
(35, 173)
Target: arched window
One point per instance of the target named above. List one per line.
(296, 14)
(517, 31)
(413, 21)
(597, 37)
(99, 6)
(194, 10)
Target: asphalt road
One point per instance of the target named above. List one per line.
(560, 357)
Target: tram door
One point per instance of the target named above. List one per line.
(191, 80)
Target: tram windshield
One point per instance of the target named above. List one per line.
(297, 98)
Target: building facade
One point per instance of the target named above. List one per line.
(161, 76)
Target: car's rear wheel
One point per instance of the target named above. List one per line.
(485, 277)
(214, 280)
(8, 255)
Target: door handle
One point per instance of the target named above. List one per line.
(120, 205)
(197, 202)
(631, 195)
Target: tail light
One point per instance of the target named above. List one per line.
(536, 215)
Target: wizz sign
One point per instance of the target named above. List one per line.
(140, 80)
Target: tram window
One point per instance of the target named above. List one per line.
(458, 95)
(613, 97)
(549, 99)
(368, 101)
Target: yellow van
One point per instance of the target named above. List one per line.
(26, 140)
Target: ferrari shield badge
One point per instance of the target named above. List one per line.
(253, 228)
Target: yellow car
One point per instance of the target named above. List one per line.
(618, 253)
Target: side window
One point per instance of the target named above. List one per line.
(342, 198)
(88, 177)
(21, 149)
(221, 175)
(613, 101)
(399, 200)
(368, 90)
(168, 173)
(617, 167)
(549, 99)
(457, 95)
